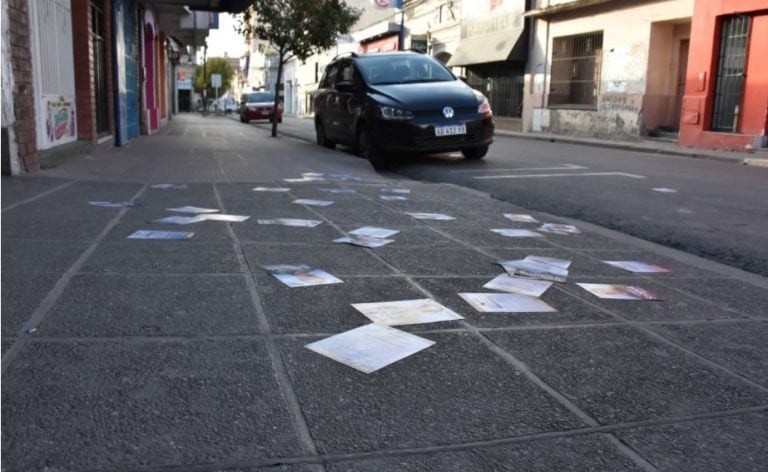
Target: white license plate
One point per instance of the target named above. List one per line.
(450, 130)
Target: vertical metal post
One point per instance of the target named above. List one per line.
(401, 33)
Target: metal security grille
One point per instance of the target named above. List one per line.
(99, 67)
(576, 63)
(502, 84)
(729, 86)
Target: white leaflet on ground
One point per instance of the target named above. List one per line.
(290, 222)
(557, 228)
(312, 174)
(664, 190)
(180, 220)
(225, 217)
(517, 233)
(562, 263)
(430, 216)
(521, 285)
(106, 204)
(535, 270)
(301, 275)
(395, 190)
(393, 198)
(620, 292)
(374, 232)
(370, 347)
(363, 241)
(310, 202)
(170, 186)
(193, 209)
(637, 266)
(169, 235)
(520, 218)
(305, 179)
(406, 312)
(339, 191)
(271, 189)
(505, 303)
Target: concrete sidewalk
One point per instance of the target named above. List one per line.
(144, 355)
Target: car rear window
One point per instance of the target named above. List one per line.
(259, 97)
(383, 70)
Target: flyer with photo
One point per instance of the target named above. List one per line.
(535, 270)
(301, 275)
(406, 312)
(290, 222)
(620, 292)
(363, 241)
(517, 233)
(519, 218)
(637, 266)
(522, 285)
(505, 303)
(167, 235)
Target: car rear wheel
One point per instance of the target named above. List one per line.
(244, 119)
(475, 153)
(366, 149)
(321, 138)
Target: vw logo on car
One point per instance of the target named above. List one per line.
(448, 112)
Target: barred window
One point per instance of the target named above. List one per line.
(576, 69)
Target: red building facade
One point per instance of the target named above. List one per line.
(726, 94)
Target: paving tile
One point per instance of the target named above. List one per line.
(251, 231)
(52, 225)
(732, 444)
(414, 236)
(6, 344)
(676, 305)
(569, 309)
(740, 346)
(363, 213)
(590, 452)
(22, 294)
(676, 269)
(327, 308)
(163, 257)
(338, 259)
(581, 265)
(728, 293)
(438, 261)
(485, 238)
(19, 188)
(152, 305)
(481, 397)
(619, 374)
(131, 404)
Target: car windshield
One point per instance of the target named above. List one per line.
(405, 69)
(259, 97)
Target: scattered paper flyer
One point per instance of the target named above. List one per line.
(312, 174)
(193, 209)
(301, 275)
(395, 190)
(535, 270)
(406, 312)
(505, 303)
(225, 217)
(374, 232)
(339, 191)
(305, 201)
(521, 285)
(431, 216)
(308, 178)
(521, 218)
(170, 186)
(664, 190)
(271, 189)
(517, 233)
(557, 228)
(114, 204)
(149, 234)
(562, 263)
(343, 177)
(370, 347)
(180, 220)
(290, 222)
(620, 292)
(363, 241)
(393, 198)
(637, 266)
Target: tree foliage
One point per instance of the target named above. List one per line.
(214, 65)
(297, 28)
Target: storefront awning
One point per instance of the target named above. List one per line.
(489, 39)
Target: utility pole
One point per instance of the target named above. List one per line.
(205, 79)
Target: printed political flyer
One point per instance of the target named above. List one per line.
(620, 292)
(505, 303)
(406, 312)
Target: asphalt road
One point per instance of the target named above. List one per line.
(716, 210)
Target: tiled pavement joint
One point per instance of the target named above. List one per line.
(39, 195)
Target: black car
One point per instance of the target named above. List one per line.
(386, 104)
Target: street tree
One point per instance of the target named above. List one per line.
(296, 29)
(213, 65)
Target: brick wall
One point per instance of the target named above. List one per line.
(82, 44)
(23, 98)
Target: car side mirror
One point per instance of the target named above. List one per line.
(463, 78)
(345, 86)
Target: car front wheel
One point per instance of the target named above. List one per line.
(322, 139)
(475, 153)
(367, 150)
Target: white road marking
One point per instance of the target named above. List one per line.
(521, 169)
(664, 190)
(583, 174)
